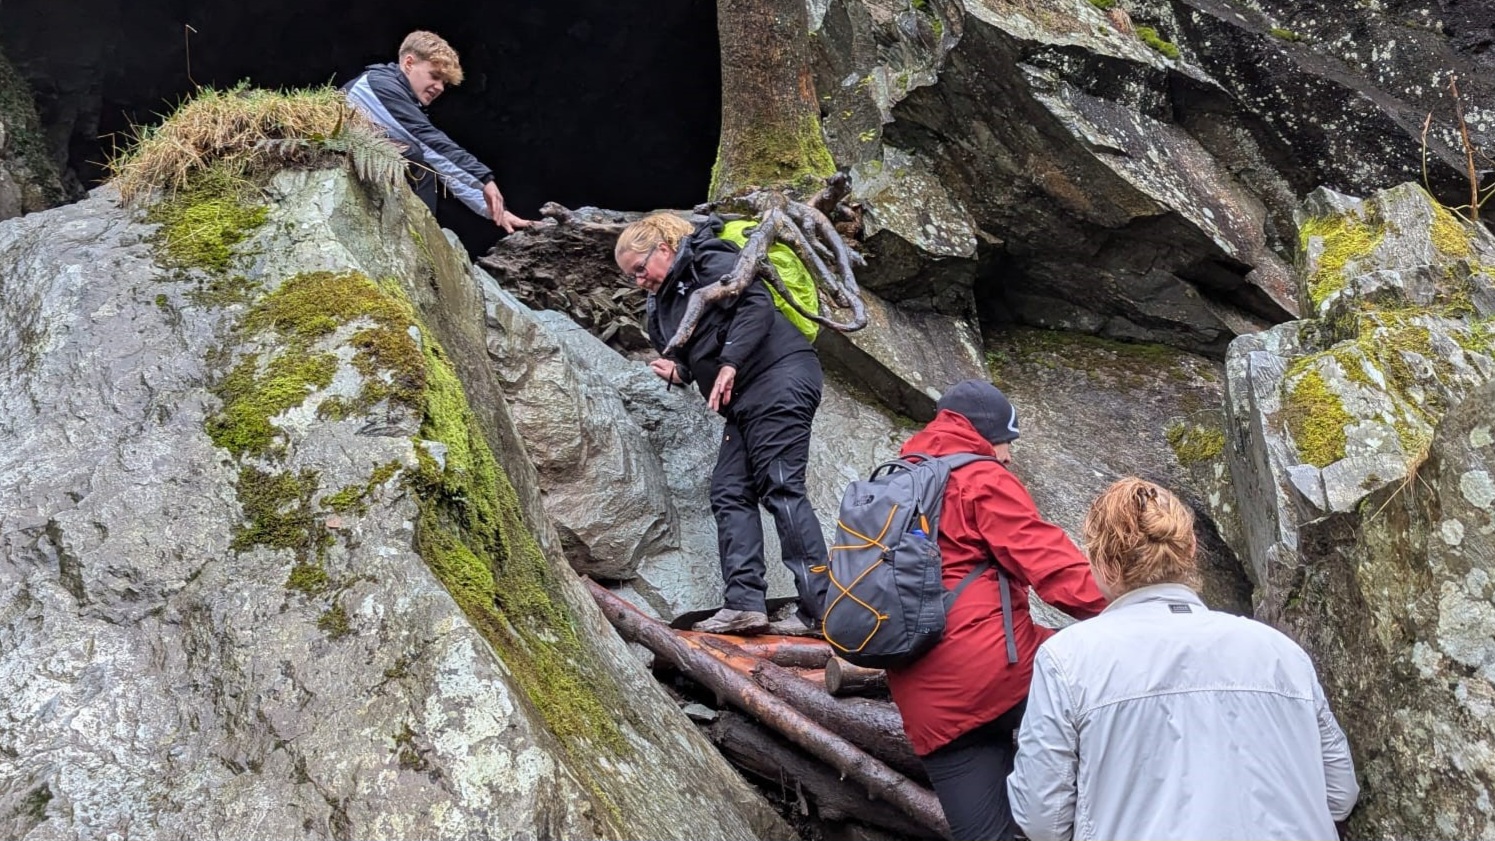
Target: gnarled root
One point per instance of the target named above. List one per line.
(807, 230)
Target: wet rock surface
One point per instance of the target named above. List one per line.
(1069, 173)
(1093, 410)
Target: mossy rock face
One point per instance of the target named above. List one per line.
(1195, 444)
(269, 592)
(470, 530)
(34, 183)
(1395, 250)
(1405, 310)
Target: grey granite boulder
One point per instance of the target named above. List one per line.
(1360, 449)
(1395, 602)
(1326, 411)
(274, 564)
(626, 463)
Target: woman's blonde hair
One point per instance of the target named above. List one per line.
(651, 231)
(428, 46)
(1138, 534)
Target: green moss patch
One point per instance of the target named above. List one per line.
(1285, 34)
(1316, 419)
(794, 155)
(1103, 5)
(1449, 235)
(202, 223)
(334, 622)
(277, 507)
(1195, 444)
(1344, 238)
(1151, 38)
(354, 498)
(303, 312)
(308, 578)
(253, 393)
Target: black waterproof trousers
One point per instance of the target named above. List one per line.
(969, 776)
(765, 450)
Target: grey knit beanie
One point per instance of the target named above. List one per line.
(985, 406)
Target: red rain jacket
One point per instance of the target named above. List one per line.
(965, 680)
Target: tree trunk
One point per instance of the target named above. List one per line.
(770, 134)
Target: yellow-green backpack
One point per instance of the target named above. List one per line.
(792, 271)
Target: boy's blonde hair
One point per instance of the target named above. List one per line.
(1139, 534)
(428, 46)
(651, 231)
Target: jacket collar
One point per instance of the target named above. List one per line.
(392, 68)
(947, 434)
(1156, 593)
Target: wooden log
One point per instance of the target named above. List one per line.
(815, 676)
(795, 652)
(843, 678)
(768, 756)
(743, 692)
(874, 726)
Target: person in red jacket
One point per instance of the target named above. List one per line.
(962, 701)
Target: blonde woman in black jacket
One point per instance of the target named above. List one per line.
(761, 374)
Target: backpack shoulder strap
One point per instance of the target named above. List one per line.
(956, 462)
(959, 460)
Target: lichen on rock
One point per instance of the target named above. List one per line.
(1348, 425)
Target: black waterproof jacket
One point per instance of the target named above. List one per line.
(749, 333)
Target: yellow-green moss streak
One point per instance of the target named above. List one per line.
(1448, 234)
(354, 498)
(1315, 417)
(1194, 444)
(1151, 38)
(278, 509)
(308, 578)
(1103, 5)
(334, 622)
(252, 394)
(469, 528)
(305, 310)
(1344, 238)
(471, 533)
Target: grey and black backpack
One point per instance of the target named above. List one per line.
(886, 604)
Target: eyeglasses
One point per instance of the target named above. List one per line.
(638, 271)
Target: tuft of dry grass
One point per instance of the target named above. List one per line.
(251, 131)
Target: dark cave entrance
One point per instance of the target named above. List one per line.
(583, 103)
